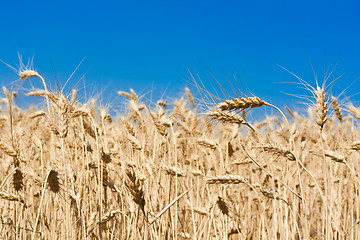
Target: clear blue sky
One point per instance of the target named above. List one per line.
(149, 45)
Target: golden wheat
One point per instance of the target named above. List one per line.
(78, 172)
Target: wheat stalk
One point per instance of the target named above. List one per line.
(169, 205)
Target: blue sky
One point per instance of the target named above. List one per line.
(150, 45)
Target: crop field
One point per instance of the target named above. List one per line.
(178, 170)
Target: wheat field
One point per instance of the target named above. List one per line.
(173, 170)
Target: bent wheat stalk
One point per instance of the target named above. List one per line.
(41, 201)
(5, 179)
(271, 175)
(170, 204)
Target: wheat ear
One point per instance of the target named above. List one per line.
(354, 110)
(190, 97)
(226, 179)
(279, 151)
(321, 106)
(11, 197)
(135, 188)
(336, 108)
